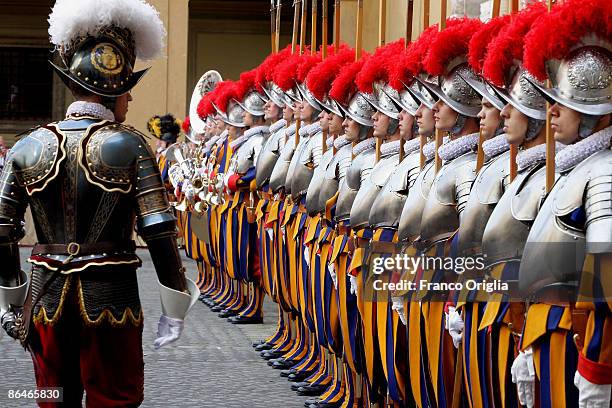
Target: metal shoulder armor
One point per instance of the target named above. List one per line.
(279, 173)
(447, 199)
(36, 158)
(410, 220)
(308, 160)
(504, 235)
(370, 189)
(104, 157)
(268, 157)
(359, 170)
(248, 153)
(488, 188)
(388, 205)
(589, 185)
(13, 198)
(294, 163)
(574, 220)
(316, 184)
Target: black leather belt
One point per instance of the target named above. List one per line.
(74, 249)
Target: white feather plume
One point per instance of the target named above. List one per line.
(70, 19)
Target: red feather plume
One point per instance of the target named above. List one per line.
(245, 84)
(285, 73)
(554, 35)
(375, 69)
(450, 43)
(186, 125)
(320, 78)
(266, 69)
(409, 63)
(479, 44)
(344, 86)
(508, 46)
(227, 91)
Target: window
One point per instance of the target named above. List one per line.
(26, 84)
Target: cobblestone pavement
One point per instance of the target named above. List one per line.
(212, 365)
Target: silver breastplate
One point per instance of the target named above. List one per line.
(447, 199)
(409, 226)
(489, 186)
(506, 231)
(248, 153)
(388, 205)
(293, 164)
(268, 157)
(369, 190)
(308, 160)
(356, 173)
(334, 174)
(279, 173)
(576, 218)
(316, 184)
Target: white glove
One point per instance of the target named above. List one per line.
(523, 375)
(592, 395)
(354, 285)
(307, 255)
(270, 232)
(219, 184)
(226, 178)
(331, 268)
(168, 331)
(454, 325)
(398, 306)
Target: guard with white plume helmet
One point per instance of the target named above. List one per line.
(90, 180)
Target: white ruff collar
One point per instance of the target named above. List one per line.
(222, 137)
(211, 142)
(290, 131)
(314, 128)
(390, 148)
(412, 145)
(577, 152)
(458, 147)
(364, 145)
(237, 142)
(340, 142)
(256, 130)
(310, 130)
(278, 125)
(93, 109)
(495, 146)
(532, 156)
(329, 142)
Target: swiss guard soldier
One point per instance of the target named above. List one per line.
(456, 113)
(90, 184)
(243, 182)
(493, 175)
(355, 161)
(505, 232)
(372, 80)
(273, 114)
(408, 67)
(567, 259)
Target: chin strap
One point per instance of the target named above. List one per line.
(587, 125)
(459, 124)
(534, 127)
